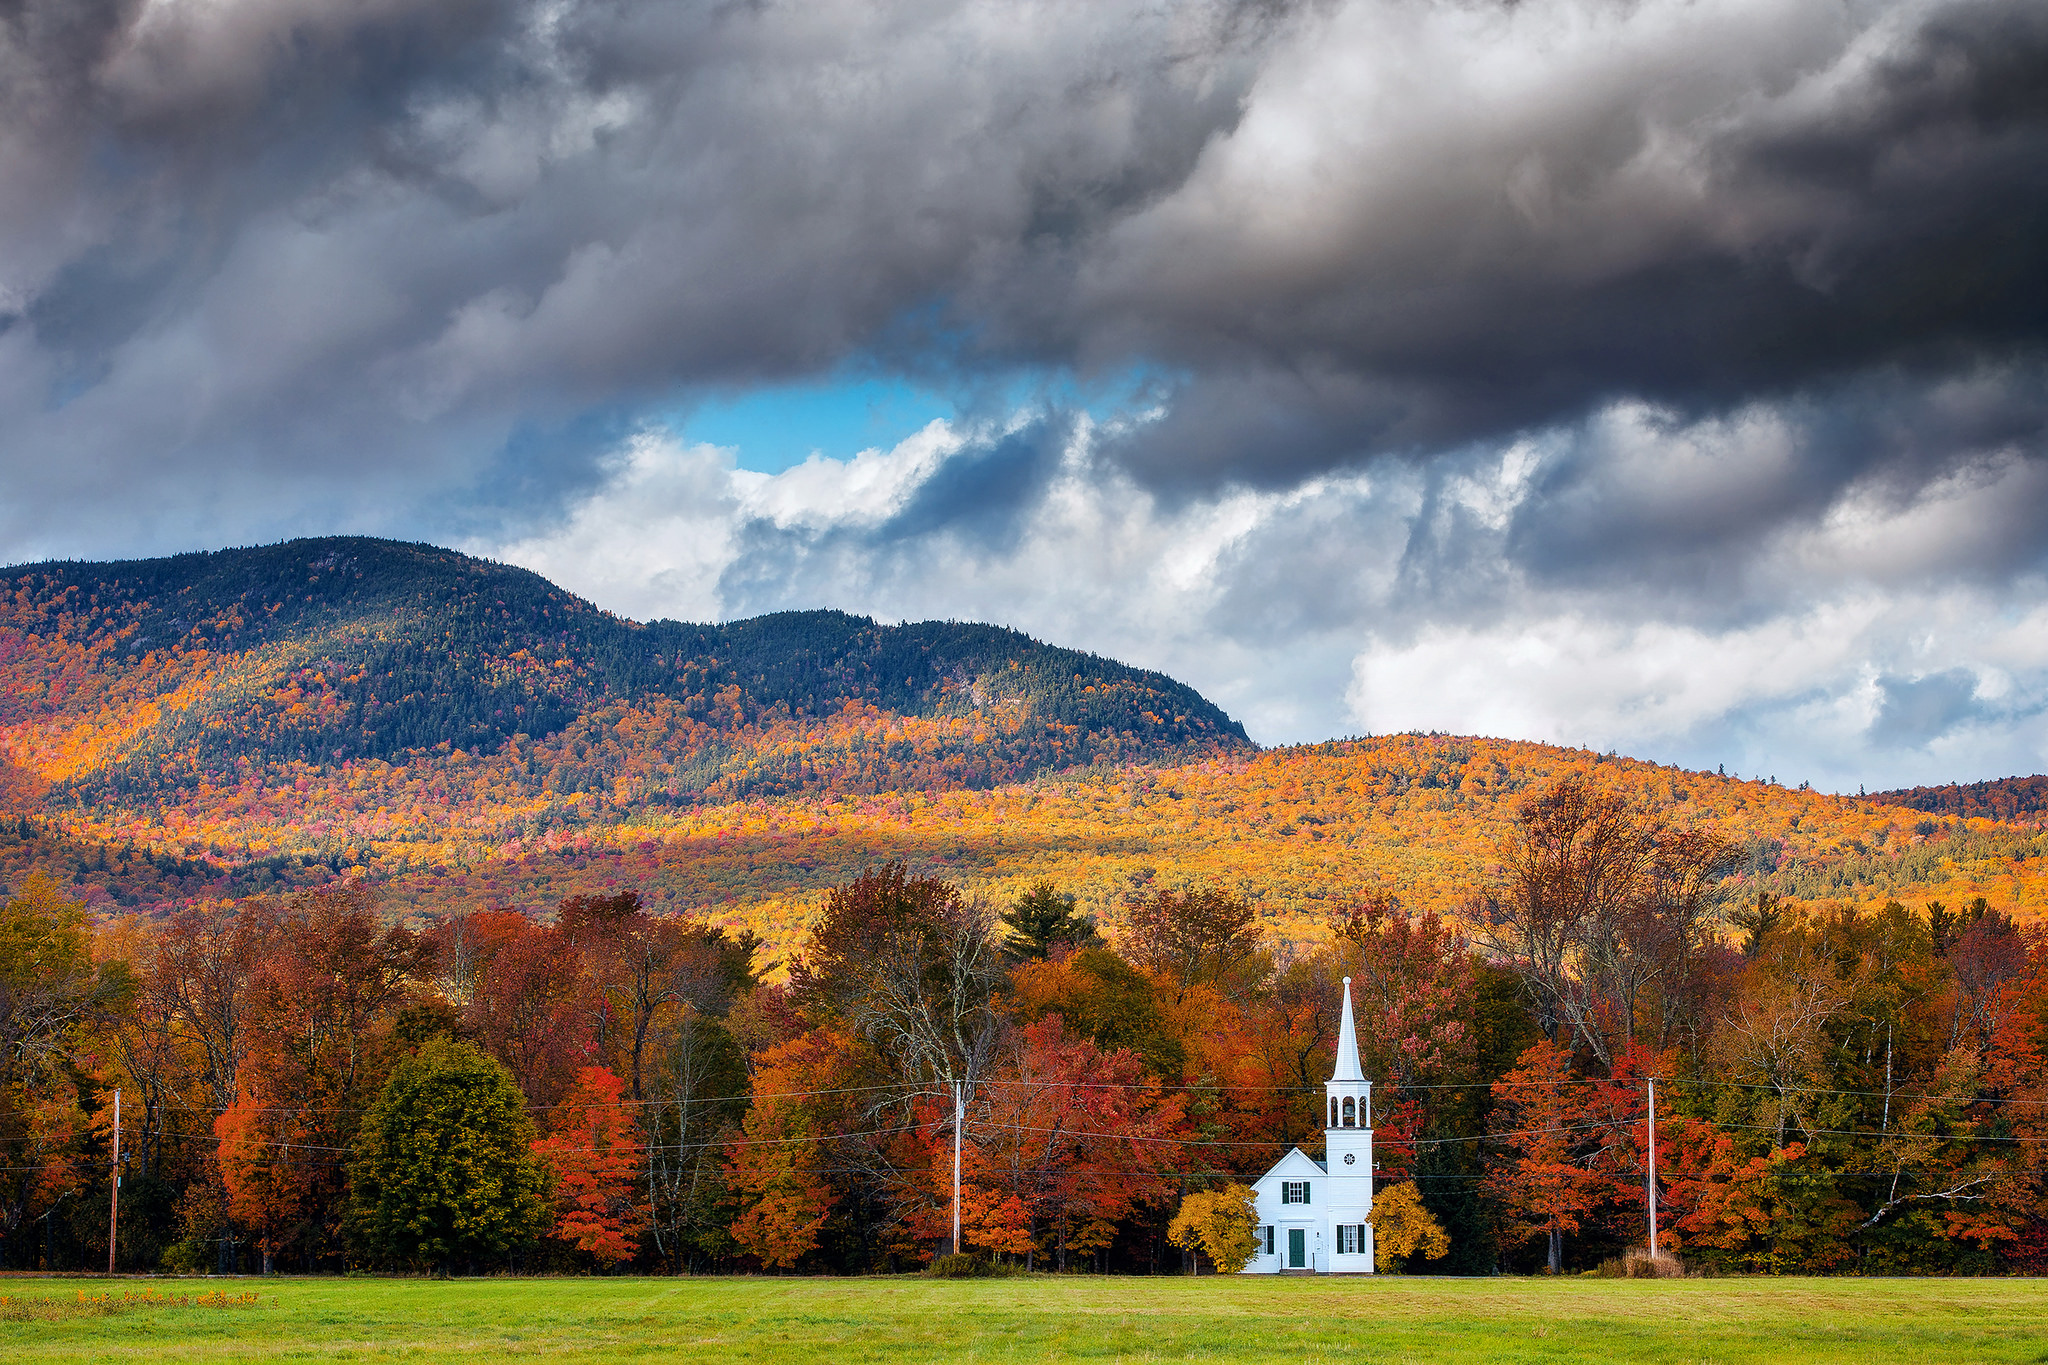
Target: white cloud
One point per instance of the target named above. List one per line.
(1798, 695)
(652, 540)
(681, 531)
(1307, 612)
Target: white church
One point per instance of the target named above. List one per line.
(1314, 1216)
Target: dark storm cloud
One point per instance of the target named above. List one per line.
(271, 262)
(1835, 190)
(283, 246)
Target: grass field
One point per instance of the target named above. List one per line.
(904, 1321)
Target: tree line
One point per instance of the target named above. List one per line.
(305, 1086)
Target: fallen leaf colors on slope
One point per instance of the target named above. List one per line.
(468, 735)
(1297, 831)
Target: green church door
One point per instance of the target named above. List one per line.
(1297, 1248)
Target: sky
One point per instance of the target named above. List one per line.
(1664, 376)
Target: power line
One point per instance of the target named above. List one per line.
(1389, 1089)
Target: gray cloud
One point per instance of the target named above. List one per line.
(1917, 710)
(258, 243)
(1702, 317)
(277, 235)
(1686, 510)
(987, 491)
(1745, 203)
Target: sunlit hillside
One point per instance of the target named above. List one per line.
(1298, 830)
(465, 735)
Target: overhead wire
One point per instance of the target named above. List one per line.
(1388, 1087)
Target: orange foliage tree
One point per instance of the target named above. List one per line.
(517, 984)
(1543, 1185)
(595, 1151)
(775, 1166)
(320, 1016)
(1065, 1142)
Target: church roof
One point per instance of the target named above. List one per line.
(1296, 1162)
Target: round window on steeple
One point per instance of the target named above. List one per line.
(1351, 1158)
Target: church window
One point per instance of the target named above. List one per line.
(1350, 1114)
(1294, 1191)
(1350, 1239)
(1268, 1231)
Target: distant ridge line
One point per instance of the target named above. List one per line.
(2005, 798)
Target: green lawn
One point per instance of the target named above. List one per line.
(904, 1321)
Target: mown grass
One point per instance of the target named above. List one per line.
(907, 1321)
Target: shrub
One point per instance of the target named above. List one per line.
(1224, 1224)
(1402, 1228)
(1643, 1264)
(188, 1257)
(1638, 1263)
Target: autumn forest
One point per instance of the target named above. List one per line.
(349, 864)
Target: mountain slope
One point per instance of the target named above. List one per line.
(1296, 831)
(464, 734)
(2008, 798)
(140, 684)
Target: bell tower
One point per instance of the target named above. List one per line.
(1347, 1132)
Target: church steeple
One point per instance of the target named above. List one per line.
(1349, 1092)
(1348, 1068)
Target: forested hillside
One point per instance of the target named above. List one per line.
(293, 833)
(465, 735)
(169, 683)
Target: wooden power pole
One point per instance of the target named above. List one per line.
(959, 1122)
(114, 1207)
(1653, 1167)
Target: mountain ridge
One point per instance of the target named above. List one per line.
(337, 649)
(2006, 798)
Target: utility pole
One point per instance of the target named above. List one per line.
(959, 1122)
(1653, 1167)
(114, 1208)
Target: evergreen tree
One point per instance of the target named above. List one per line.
(444, 1171)
(1044, 919)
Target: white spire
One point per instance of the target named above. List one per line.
(1348, 1068)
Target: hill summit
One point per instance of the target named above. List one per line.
(147, 681)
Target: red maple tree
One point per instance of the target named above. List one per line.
(594, 1149)
(1544, 1184)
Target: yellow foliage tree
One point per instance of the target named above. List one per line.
(1222, 1224)
(1401, 1227)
